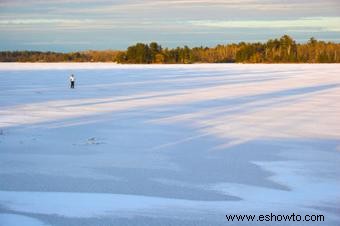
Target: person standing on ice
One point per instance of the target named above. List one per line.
(72, 80)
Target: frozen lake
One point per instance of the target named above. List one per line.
(168, 144)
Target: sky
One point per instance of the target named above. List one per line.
(75, 25)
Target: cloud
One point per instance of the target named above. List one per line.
(42, 21)
(325, 23)
(107, 6)
(45, 2)
(58, 42)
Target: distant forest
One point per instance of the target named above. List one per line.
(282, 50)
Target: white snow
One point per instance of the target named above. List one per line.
(167, 144)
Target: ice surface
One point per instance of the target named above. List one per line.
(168, 144)
(17, 220)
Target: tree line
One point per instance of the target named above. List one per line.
(282, 50)
(36, 56)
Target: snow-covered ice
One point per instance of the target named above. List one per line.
(168, 144)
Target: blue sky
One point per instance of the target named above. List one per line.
(71, 25)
